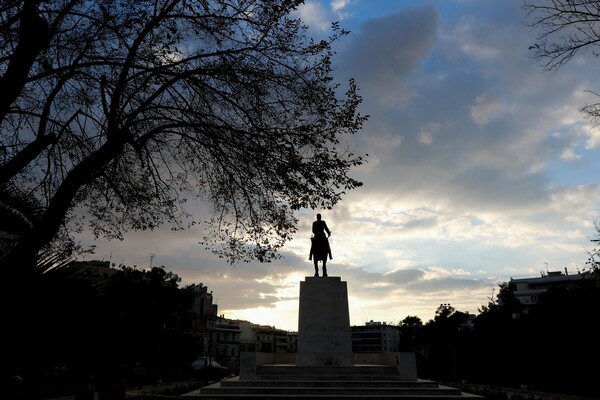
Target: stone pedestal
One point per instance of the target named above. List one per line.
(324, 335)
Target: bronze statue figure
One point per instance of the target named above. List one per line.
(319, 248)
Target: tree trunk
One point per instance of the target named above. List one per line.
(43, 232)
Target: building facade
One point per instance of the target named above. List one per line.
(375, 337)
(528, 290)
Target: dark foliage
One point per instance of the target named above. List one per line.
(124, 115)
(549, 348)
(65, 324)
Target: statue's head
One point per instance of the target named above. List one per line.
(318, 216)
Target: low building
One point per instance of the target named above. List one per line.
(292, 342)
(264, 338)
(270, 339)
(375, 337)
(205, 317)
(528, 290)
(225, 339)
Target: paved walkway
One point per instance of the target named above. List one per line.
(132, 392)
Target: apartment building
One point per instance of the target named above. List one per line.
(375, 337)
(527, 290)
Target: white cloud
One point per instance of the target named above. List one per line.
(570, 155)
(315, 15)
(339, 7)
(593, 138)
(486, 108)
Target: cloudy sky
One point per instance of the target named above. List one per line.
(481, 168)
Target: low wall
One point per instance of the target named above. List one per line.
(375, 358)
(405, 362)
(249, 360)
(275, 358)
(390, 358)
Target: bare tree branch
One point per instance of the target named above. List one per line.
(128, 108)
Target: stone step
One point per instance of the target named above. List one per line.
(329, 391)
(354, 388)
(348, 383)
(332, 397)
(331, 377)
(259, 396)
(298, 396)
(326, 370)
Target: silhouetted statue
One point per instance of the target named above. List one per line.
(319, 248)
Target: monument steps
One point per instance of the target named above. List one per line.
(324, 366)
(317, 378)
(326, 382)
(320, 396)
(341, 383)
(441, 393)
(327, 372)
(337, 392)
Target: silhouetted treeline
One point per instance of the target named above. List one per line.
(550, 346)
(64, 325)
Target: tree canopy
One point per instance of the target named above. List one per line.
(566, 28)
(115, 113)
(96, 320)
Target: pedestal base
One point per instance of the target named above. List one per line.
(324, 335)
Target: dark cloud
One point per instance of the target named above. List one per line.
(466, 133)
(447, 285)
(386, 51)
(404, 277)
